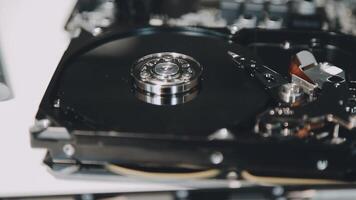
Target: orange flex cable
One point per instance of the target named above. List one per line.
(295, 69)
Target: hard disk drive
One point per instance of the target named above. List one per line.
(272, 106)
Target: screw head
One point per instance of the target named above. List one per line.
(144, 74)
(185, 65)
(232, 175)
(278, 191)
(88, 197)
(69, 150)
(182, 194)
(216, 158)
(321, 165)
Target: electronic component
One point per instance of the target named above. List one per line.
(204, 93)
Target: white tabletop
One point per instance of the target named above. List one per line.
(32, 41)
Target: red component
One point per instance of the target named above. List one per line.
(294, 68)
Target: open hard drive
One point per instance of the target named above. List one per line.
(139, 94)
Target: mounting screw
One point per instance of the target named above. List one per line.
(232, 175)
(144, 74)
(321, 165)
(182, 194)
(87, 197)
(69, 150)
(216, 158)
(278, 191)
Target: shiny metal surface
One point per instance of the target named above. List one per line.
(169, 100)
(169, 74)
(291, 93)
(166, 69)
